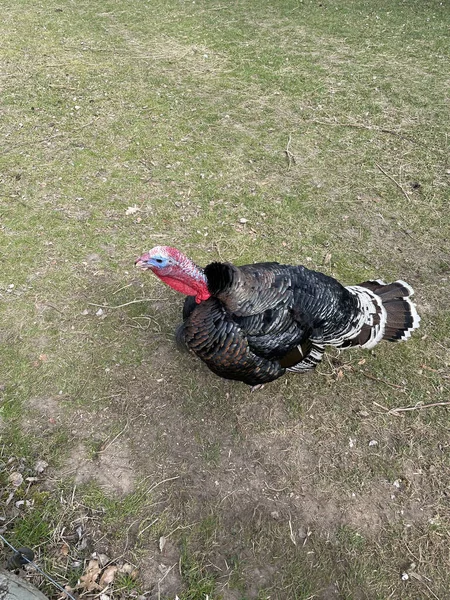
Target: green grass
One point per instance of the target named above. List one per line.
(185, 110)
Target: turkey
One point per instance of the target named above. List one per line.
(255, 322)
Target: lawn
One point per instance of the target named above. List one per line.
(305, 132)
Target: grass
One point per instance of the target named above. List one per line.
(185, 111)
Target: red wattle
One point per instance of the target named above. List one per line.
(200, 292)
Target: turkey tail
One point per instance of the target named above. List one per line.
(401, 314)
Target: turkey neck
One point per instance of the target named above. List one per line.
(189, 279)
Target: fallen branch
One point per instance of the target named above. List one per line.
(399, 185)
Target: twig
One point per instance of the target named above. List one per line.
(122, 288)
(182, 527)
(429, 368)
(154, 486)
(272, 489)
(108, 444)
(230, 494)
(148, 526)
(360, 126)
(399, 185)
(165, 575)
(417, 406)
(369, 376)
(387, 410)
(420, 578)
(54, 307)
(122, 305)
(291, 533)
(290, 156)
(62, 87)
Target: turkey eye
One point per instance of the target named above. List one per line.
(159, 260)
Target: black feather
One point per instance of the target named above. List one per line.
(266, 318)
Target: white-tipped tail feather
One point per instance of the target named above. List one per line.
(311, 361)
(389, 313)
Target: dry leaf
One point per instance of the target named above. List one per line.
(327, 259)
(43, 357)
(16, 479)
(362, 361)
(108, 575)
(88, 581)
(162, 543)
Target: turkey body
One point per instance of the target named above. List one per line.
(264, 319)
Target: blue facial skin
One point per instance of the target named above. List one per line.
(158, 261)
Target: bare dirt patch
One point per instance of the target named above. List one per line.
(112, 468)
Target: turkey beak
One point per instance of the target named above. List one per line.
(142, 262)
